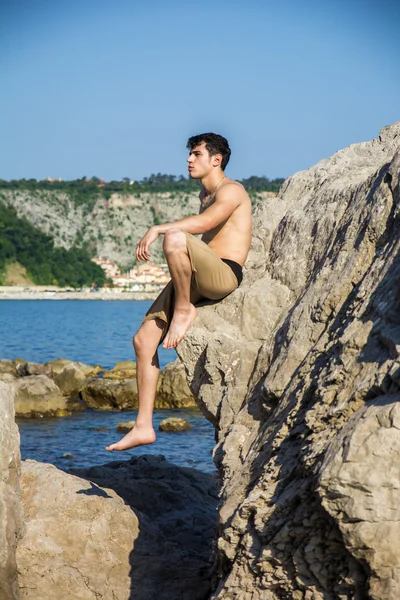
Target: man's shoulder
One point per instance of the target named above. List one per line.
(232, 188)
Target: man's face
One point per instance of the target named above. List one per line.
(200, 163)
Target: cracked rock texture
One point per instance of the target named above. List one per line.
(11, 512)
(139, 529)
(299, 370)
(176, 511)
(78, 538)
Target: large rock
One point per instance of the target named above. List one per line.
(38, 396)
(11, 513)
(58, 365)
(106, 394)
(78, 541)
(70, 380)
(359, 485)
(176, 509)
(286, 368)
(173, 390)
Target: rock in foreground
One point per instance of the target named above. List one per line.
(176, 509)
(299, 371)
(78, 539)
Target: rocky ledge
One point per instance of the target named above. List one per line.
(299, 372)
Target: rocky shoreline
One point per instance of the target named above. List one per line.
(60, 387)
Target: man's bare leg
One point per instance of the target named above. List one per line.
(145, 341)
(176, 254)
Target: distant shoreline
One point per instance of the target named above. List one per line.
(53, 293)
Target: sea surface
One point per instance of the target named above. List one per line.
(98, 333)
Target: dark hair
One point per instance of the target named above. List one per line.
(215, 144)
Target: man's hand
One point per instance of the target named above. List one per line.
(142, 251)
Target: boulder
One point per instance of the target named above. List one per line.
(78, 540)
(38, 396)
(123, 370)
(106, 394)
(176, 509)
(58, 365)
(174, 424)
(11, 510)
(299, 371)
(173, 390)
(125, 427)
(70, 380)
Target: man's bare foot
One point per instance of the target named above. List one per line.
(138, 436)
(180, 323)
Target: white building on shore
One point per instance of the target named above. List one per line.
(138, 278)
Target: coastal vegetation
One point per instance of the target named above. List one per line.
(45, 264)
(85, 191)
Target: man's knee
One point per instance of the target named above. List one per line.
(139, 341)
(147, 338)
(174, 239)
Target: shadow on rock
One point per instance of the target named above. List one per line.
(176, 509)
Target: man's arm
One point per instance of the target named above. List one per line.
(226, 201)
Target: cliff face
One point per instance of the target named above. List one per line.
(299, 370)
(112, 227)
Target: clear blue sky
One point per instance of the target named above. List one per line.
(114, 88)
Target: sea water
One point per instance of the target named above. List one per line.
(98, 333)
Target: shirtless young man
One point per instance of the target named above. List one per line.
(207, 268)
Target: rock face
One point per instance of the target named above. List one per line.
(176, 510)
(11, 512)
(78, 538)
(114, 226)
(299, 369)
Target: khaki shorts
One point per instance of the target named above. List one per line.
(211, 278)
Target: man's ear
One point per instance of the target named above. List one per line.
(217, 160)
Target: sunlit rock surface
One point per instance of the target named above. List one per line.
(299, 370)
